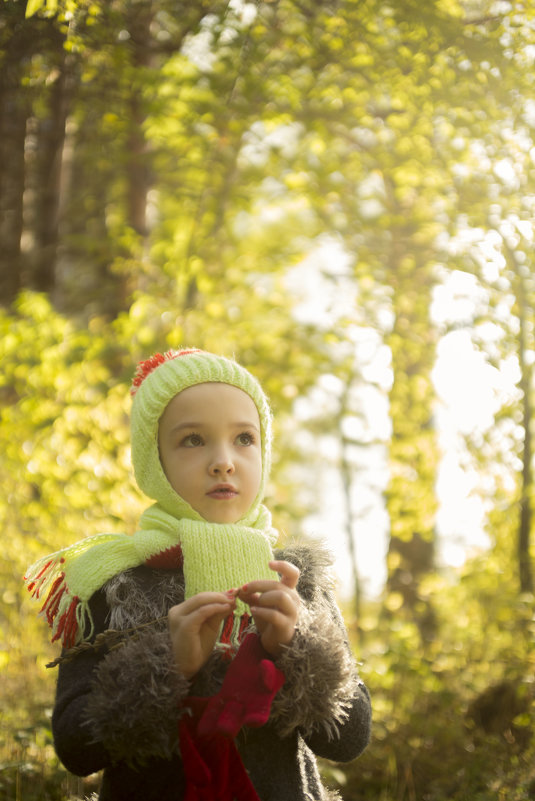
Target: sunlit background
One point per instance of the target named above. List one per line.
(342, 195)
(470, 392)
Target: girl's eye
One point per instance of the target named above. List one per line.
(246, 438)
(192, 441)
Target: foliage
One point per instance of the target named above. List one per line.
(453, 720)
(164, 167)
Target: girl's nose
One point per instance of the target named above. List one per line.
(221, 466)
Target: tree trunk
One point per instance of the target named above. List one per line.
(413, 454)
(14, 110)
(345, 470)
(526, 376)
(50, 137)
(138, 168)
(350, 516)
(13, 116)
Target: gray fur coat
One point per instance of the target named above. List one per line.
(117, 708)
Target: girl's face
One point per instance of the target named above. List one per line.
(210, 450)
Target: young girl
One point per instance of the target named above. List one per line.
(224, 667)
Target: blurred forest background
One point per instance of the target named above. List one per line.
(293, 182)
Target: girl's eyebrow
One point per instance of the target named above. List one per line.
(180, 426)
(246, 425)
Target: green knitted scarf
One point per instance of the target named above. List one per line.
(215, 557)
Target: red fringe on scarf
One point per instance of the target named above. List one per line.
(68, 624)
(230, 642)
(62, 613)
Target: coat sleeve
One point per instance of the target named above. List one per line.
(72, 740)
(120, 705)
(323, 696)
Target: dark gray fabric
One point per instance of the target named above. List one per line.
(118, 710)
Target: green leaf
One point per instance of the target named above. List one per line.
(34, 6)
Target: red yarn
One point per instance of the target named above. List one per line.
(146, 367)
(228, 627)
(51, 605)
(33, 584)
(68, 625)
(170, 559)
(244, 623)
(226, 632)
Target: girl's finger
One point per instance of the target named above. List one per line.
(289, 577)
(271, 616)
(209, 616)
(202, 599)
(282, 600)
(289, 573)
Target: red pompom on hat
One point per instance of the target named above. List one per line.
(146, 367)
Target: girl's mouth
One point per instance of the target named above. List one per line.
(222, 492)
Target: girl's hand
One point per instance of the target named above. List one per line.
(194, 625)
(274, 606)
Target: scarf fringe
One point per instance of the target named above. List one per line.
(68, 616)
(232, 632)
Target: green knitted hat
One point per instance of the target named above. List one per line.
(157, 381)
